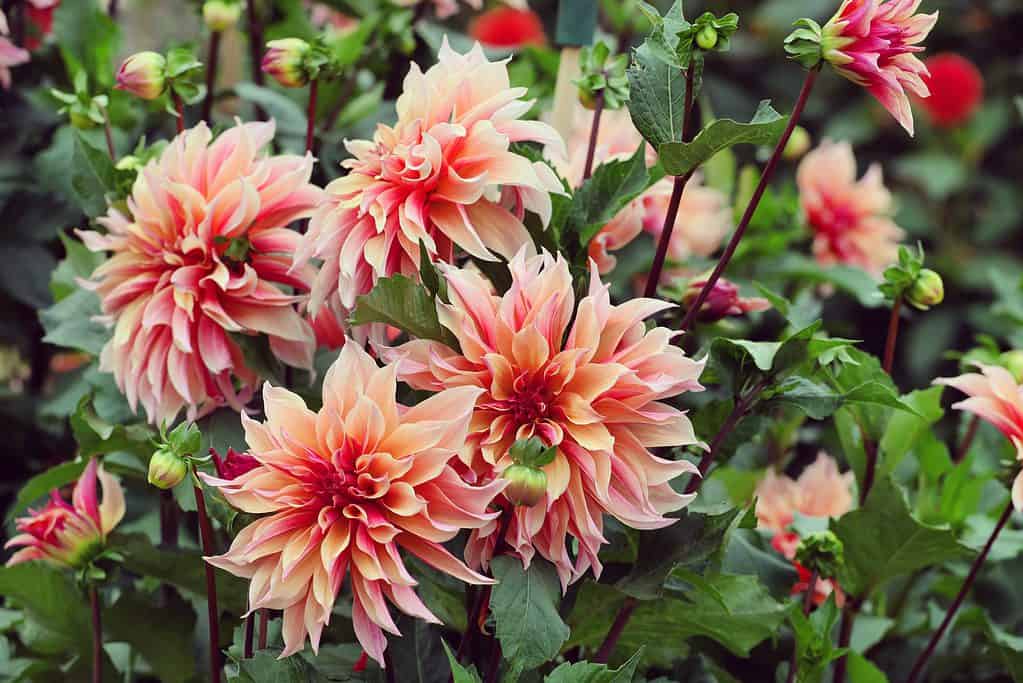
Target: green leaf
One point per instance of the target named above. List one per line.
(883, 541)
(588, 672)
(289, 116)
(79, 262)
(862, 670)
(92, 176)
(166, 643)
(765, 128)
(41, 484)
(657, 92)
(96, 436)
(418, 656)
(265, 667)
(48, 595)
(602, 196)
(89, 40)
(405, 304)
(71, 323)
(26, 273)
(525, 609)
(459, 673)
(814, 645)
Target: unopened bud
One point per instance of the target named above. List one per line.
(166, 469)
(798, 144)
(527, 486)
(144, 75)
(234, 464)
(707, 38)
(821, 552)
(284, 61)
(221, 15)
(722, 301)
(1013, 362)
(928, 290)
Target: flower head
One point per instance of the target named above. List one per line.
(850, 218)
(704, 218)
(220, 15)
(592, 384)
(345, 489)
(10, 54)
(196, 265)
(144, 75)
(997, 398)
(957, 89)
(724, 300)
(874, 43)
(71, 534)
(284, 60)
(508, 27)
(443, 176)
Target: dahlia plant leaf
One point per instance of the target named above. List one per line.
(49, 596)
(418, 656)
(748, 553)
(815, 648)
(93, 176)
(221, 429)
(79, 262)
(525, 608)
(71, 323)
(96, 436)
(765, 128)
(602, 196)
(290, 119)
(265, 667)
(459, 673)
(862, 670)
(588, 672)
(165, 643)
(26, 273)
(657, 94)
(402, 303)
(89, 40)
(40, 485)
(883, 540)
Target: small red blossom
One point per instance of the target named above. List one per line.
(957, 90)
(508, 27)
(234, 464)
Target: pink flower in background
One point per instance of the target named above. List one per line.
(443, 176)
(509, 28)
(71, 534)
(10, 54)
(345, 489)
(196, 262)
(873, 44)
(850, 218)
(997, 398)
(704, 218)
(723, 301)
(592, 386)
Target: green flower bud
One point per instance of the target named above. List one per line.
(798, 144)
(927, 290)
(221, 15)
(707, 38)
(166, 469)
(1013, 362)
(285, 61)
(821, 552)
(527, 486)
(144, 75)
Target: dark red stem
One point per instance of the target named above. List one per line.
(212, 612)
(179, 106)
(893, 335)
(758, 193)
(256, 49)
(591, 150)
(212, 59)
(921, 661)
(852, 607)
(615, 632)
(310, 126)
(742, 407)
(97, 636)
(964, 446)
(112, 9)
(250, 629)
(264, 625)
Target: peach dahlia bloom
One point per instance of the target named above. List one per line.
(593, 386)
(345, 489)
(850, 219)
(996, 397)
(198, 257)
(71, 534)
(443, 175)
(874, 43)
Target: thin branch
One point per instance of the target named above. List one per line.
(212, 611)
(213, 59)
(591, 150)
(97, 635)
(893, 335)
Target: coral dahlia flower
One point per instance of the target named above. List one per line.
(507, 27)
(71, 534)
(10, 54)
(345, 490)
(592, 385)
(850, 218)
(997, 398)
(443, 175)
(704, 218)
(199, 257)
(957, 89)
(874, 43)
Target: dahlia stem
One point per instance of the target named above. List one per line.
(250, 628)
(845, 636)
(310, 125)
(482, 601)
(615, 632)
(168, 532)
(179, 106)
(112, 9)
(893, 335)
(964, 445)
(212, 612)
(97, 635)
(591, 150)
(256, 49)
(807, 603)
(109, 135)
(921, 661)
(869, 469)
(654, 278)
(264, 627)
(758, 193)
(213, 59)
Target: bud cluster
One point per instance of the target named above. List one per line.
(148, 75)
(921, 287)
(527, 482)
(603, 76)
(168, 466)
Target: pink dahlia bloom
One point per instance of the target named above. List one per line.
(874, 43)
(443, 175)
(723, 301)
(71, 534)
(345, 489)
(704, 218)
(850, 218)
(198, 258)
(593, 386)
(10, 54)
(996, 397)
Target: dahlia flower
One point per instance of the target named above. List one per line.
(997, 398)
(508, 27)
(704, 218)
(592, 386)
(10, 54)
(198, 258)
(71, 534)
(957, 89)
(723, 301)
(347, 488)
(850, 218)
(443, 176)
(873, 44)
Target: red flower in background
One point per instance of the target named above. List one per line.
(508, 27)
(40, 21)
(957, 89)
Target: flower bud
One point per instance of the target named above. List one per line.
(821, 552)
(707, 38)
(798, 144)
(221, 15)
(722, 301)
(144, 75)
(234, 465)
(1013, 362)
(527, 486)
(284, 60)
(927, 290)
(166, 469)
